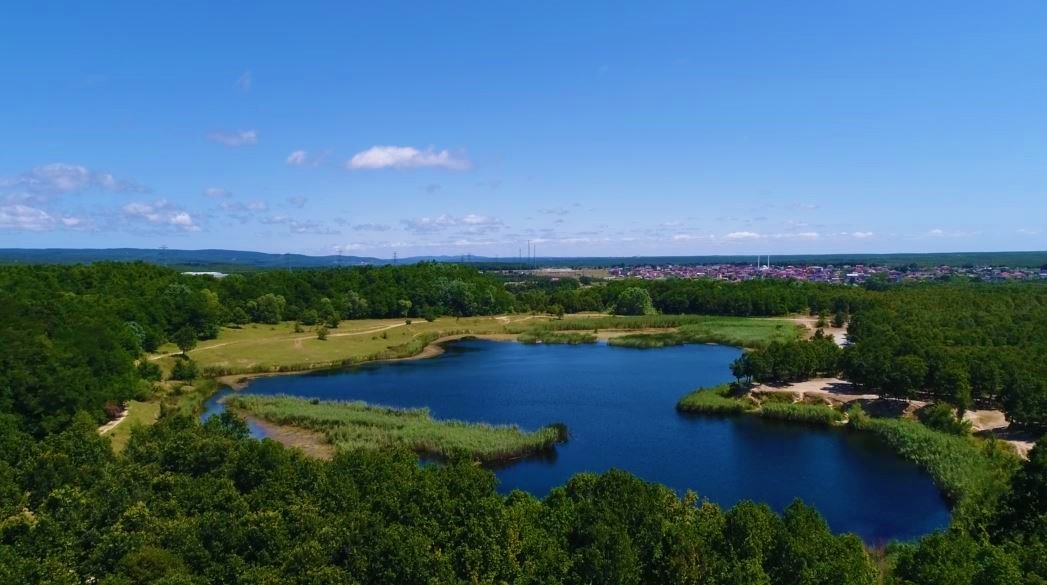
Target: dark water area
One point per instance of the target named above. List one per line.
(619, 407)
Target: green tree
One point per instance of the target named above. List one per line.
(634, 301)
(185, 339)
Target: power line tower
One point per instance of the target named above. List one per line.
(394, 258)
(163, 255)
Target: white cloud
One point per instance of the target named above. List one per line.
(25, 218)
(297, 158)
(1028, 232)
(861, 235)
(743, 236)
(807, 235)
(160, 214)
(402, 157)
(298, 201)
(936, 232)
(233, 139)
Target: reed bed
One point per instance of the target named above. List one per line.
(799, 412)
(715, 400)
(970, 472)
(569, 338)
(357, 425)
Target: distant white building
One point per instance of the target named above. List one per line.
(212, 274)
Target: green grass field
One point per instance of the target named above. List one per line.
(259, 348)
(740, 331)
(139, 414)
(356, 425)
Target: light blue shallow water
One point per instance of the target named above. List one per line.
(619, 407)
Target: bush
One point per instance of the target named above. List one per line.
(148, 370)
(942, 417)
(185, 370)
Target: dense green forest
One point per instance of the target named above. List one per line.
(189, 503)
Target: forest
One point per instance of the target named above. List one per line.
(188, 503)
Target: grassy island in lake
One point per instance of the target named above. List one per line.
(357, 425)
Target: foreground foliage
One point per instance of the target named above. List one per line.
(201, 504)
(356, 425)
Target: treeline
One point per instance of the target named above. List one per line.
(751, 298)
(790, 361)
(958, 343)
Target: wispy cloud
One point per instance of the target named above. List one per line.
(404, 157)
(217, 193)
(371, 227)
(244, 81)
(297, 201)
(554, 211)
(234, 139)
(743, 236)
(62, 178)
(297, 158)
(472, 223)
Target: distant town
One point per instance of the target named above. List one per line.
(834, 274)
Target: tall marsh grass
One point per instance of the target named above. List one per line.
(798, 412)
(972, 473)
(356, 425)
(714, 400)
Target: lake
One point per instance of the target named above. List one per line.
(619, 407)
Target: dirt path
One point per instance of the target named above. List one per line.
(113, 423)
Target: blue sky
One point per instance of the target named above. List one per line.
(471, 128)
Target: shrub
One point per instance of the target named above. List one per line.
(148, 370)
(942, 417)
(185, 369)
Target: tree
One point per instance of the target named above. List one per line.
(269, 308)
(185, 339)
(405, 307)
(321, 332)
(634, 301)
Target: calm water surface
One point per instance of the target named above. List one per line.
(619, 407)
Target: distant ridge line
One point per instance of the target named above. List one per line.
(244, 259)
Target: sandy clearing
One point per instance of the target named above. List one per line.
(835, 390)
(839, 334)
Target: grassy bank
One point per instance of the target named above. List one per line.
(543, 336)
(741, 331)
(715, 400)
(355, 425)
(972, 473)
(822, 414)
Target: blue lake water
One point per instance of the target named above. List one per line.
(619, 407)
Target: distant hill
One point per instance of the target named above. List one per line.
(240, 260)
